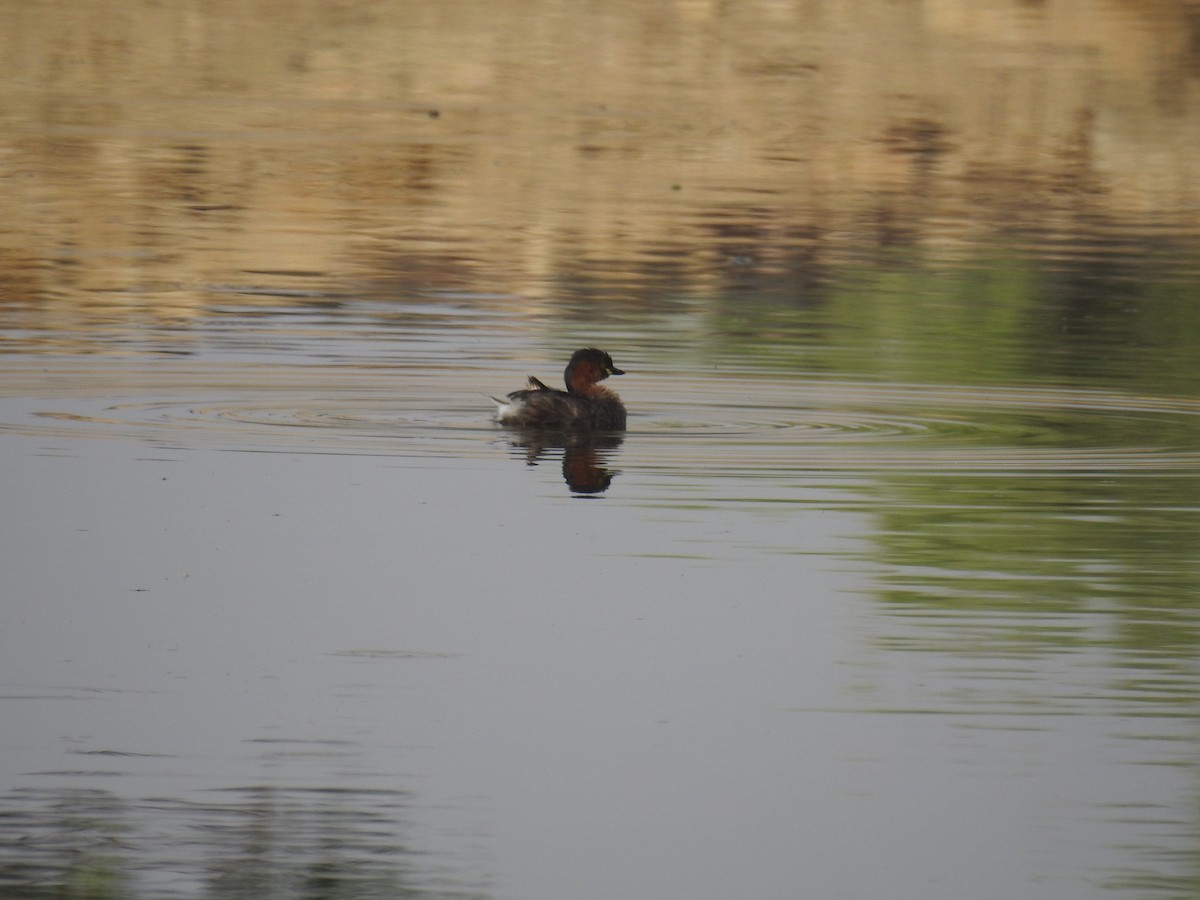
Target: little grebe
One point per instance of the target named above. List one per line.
(583, 405)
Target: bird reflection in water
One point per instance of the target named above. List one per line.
(585, 455)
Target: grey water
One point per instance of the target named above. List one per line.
(889, 590)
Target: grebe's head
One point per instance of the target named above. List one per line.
(587, 367)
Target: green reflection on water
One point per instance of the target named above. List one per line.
(1055, 561)
(1004, 318)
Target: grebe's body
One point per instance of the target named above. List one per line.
(584, 406)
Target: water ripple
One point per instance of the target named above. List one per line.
(704, 423)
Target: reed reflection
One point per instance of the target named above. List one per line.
(586, 456)
(240, 842)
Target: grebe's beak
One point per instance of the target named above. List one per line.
(613, 370)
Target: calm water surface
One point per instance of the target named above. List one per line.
(890, 590)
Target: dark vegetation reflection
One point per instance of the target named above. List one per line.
(586, 456)
(252, 842)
